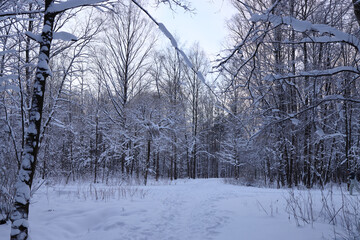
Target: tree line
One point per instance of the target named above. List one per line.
(280, 107)
(115, 104)
(292, 86)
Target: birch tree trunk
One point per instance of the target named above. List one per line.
(19, 217)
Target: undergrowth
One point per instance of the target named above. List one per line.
(337, 208)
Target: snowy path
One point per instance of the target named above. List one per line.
(186, 209)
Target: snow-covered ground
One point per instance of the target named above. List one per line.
(183, 209)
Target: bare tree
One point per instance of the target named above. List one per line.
(295, 94)
(194, 90)
(124, 62)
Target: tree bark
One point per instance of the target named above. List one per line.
(147, 161)
(19, 216)
(356, 4)
(157, 166)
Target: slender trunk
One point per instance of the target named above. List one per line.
(347, 110)
(147, 161)
(188, 164)
(157, 167)
(97, 135)
(194, 161)
(123, 162)
(293, 105)
(171, 168)
(44, 162)
(307, 132)
(19, 216)
(96, 159)
(175, 160)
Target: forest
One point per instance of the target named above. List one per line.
(87, 92)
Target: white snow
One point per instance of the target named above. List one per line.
(9, 87)
(187, 61)
(303, 26)
(323, 135)
(166, 32)
(65, 36)
(334, 97)
(295, 121)
(32, 128)
(35, 116)
(42, 64)
(21, 222)
(47, 27)
(7, 52)
(183, 209)
(320, 133)
(313, 73)
(63, 6)
(33, 36)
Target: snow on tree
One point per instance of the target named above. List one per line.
(296, 68)
(33, 132)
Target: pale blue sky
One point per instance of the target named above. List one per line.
(207, 26)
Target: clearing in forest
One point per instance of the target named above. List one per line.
(182, 209)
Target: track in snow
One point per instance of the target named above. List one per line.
(184, 209)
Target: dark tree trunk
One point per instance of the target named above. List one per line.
(147, 161)
(157, 166)
(175, 160)
(357, 10)
(96, 159)
(19, 216)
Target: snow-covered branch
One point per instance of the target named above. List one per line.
(12, 13)
(306, 26)
(71, 4)
(314, 73)
(173, 41)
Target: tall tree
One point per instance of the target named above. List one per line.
(195, 90)
(124, 66)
